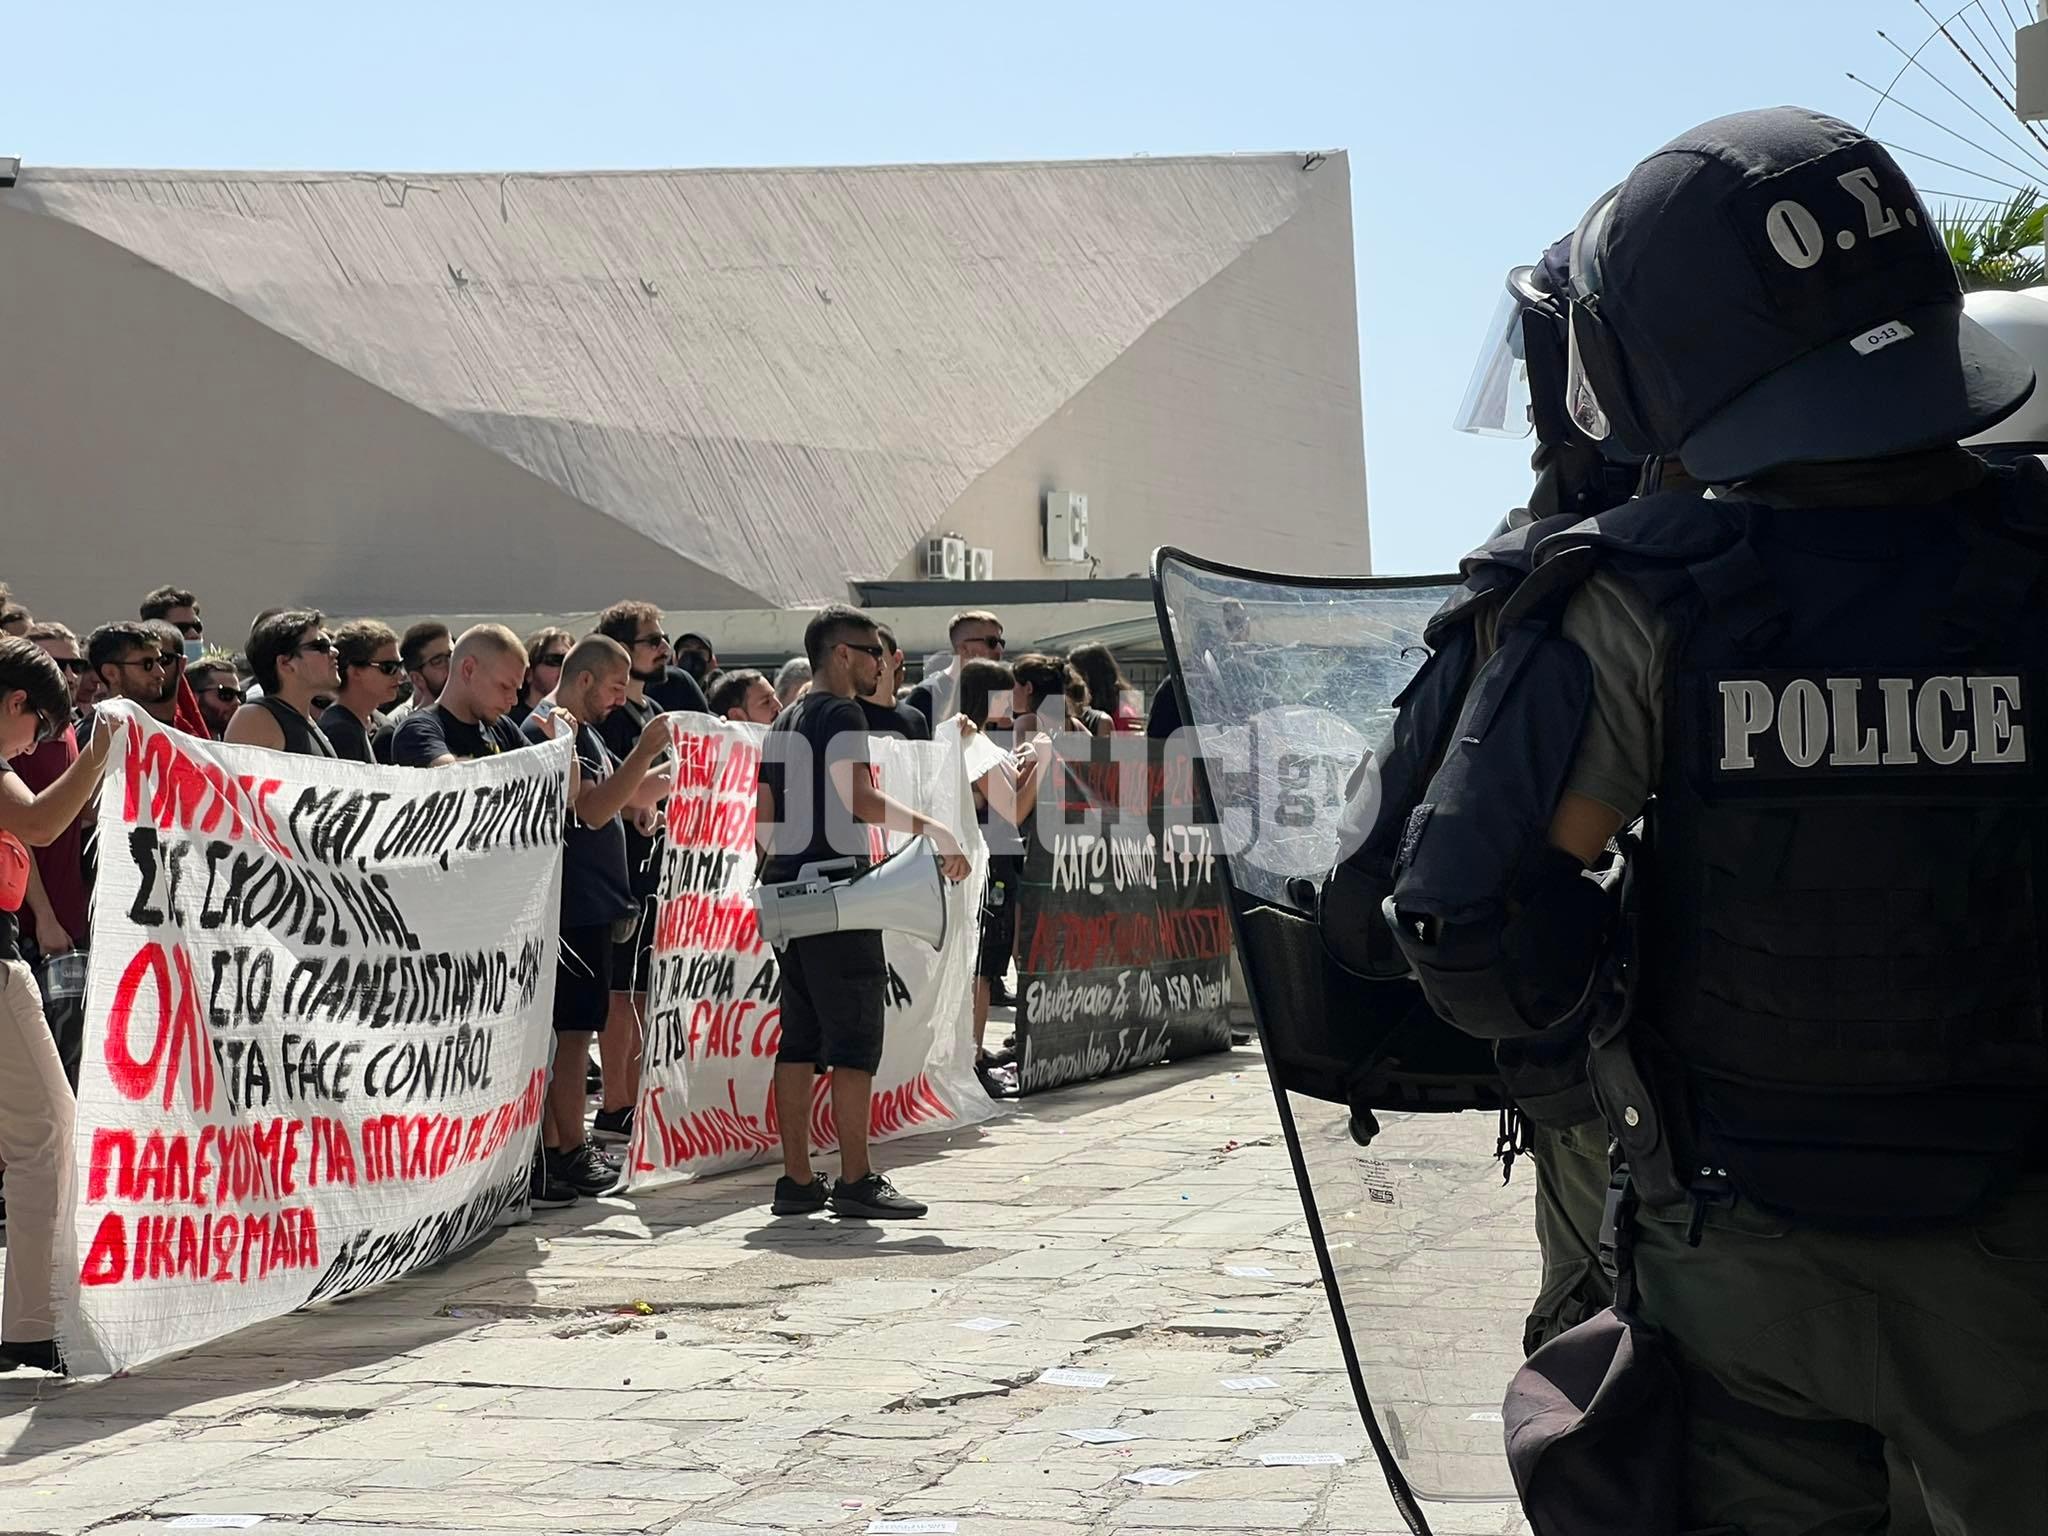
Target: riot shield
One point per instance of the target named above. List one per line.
(1429, 1258)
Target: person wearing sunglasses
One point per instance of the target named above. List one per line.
(818, 801)
(37, 1110)
(546, 650)
(641, 630)
(975, 635)
(292, 655)
(57, 907)
(170, 644)
(428, 651)
(218, 688)
(127, 658)
(177, 608)
(372, 676)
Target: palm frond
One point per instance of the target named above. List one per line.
(2000, 247)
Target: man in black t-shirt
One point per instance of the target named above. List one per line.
(818, 802)
(596, 893)
(468, 720)
(886, 717)
(639, 630)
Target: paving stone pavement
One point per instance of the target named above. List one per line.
(793, 1375)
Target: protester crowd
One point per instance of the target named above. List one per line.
(427, 697)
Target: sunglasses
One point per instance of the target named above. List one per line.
(388, 668)
(552, 659)
(873, 650)
(224, 691)
(48, 726)
(76, 666)
(324, 644)
(148, 663)
(431, 662)
(993, 642)
(191, 628)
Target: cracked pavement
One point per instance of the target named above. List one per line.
(681, 1362)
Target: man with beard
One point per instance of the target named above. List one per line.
(367, 662)
(127, 658)
(292, 655)
(218, 688)
(886, 717)
(468, 720)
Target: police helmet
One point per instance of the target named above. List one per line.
(1769, 289)
(1518, 386)
(1517, 383)
(2020, 320)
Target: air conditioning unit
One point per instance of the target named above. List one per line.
(945, 558)
(981, 565)
(1066, 527)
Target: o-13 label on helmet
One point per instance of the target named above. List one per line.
(1779, 725)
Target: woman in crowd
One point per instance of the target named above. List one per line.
(1046, 688)
(1108, 691)
(36, 1106)
(1005, 789)
(546, 650)
(1081, 715)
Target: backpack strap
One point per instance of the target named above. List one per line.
(1670, 532)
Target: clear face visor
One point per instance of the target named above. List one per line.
(1581, 399)
(1496, 400)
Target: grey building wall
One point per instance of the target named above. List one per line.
(1232, 428)
(151, 433)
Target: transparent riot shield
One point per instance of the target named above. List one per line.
(1429, 1259)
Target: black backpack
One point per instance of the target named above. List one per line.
(1497, 662)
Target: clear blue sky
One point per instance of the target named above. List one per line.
(1478, 129)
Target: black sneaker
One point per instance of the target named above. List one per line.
(875, 1198)
(593, 1078)
(794, 1199)
(612, 1125)
(549, 1193)
(584, 1169)
(39, 1354)
(1000, 995)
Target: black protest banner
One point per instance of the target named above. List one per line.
(1123, 942)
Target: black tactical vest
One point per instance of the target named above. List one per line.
(1840, 1003)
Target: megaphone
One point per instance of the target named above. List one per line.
(905, 893)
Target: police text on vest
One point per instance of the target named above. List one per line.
(1787, 723)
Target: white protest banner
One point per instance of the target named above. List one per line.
(707, 1097)
(317, 1029)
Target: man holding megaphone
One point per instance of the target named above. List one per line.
(819, 807)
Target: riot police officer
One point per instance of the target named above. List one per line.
(1517, 389)
(1817, 688)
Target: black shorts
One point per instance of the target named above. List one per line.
(583, 979)
(633, 957)
(834, 989)
(998, 919)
